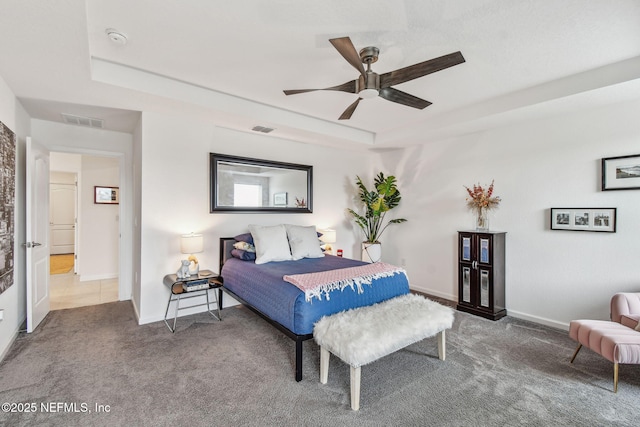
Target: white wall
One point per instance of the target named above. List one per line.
(552, 277)
(175, 179)
(13, 300)
(65, 162)
(99, 223)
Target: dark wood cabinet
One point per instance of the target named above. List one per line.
(481, 262)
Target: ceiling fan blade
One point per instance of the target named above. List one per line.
(345, 47)
(349, 111)
(349, 87)
(395, 95)
(421, 69)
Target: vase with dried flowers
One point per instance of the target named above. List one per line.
(481, 201)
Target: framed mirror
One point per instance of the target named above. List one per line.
(242, 184)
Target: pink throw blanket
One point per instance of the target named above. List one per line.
(323, 282)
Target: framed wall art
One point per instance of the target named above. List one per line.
(584, 219)
(7, 204)
(621, 173)
(280, 199)
(106, 195)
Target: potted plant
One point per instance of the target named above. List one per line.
(376, 205)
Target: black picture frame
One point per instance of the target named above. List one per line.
(602, 220)
(103, 195)
(621, 173)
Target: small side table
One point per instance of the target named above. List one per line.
(179, 294)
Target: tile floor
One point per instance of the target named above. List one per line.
(67, 291)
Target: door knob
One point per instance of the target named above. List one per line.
(31, 244)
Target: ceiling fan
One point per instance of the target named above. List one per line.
(370, 84)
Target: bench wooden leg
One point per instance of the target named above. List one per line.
(576, 353)
(324, 365)
(355, 388)
(615, 377)
(441, 346)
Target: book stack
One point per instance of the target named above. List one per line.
(195, 285)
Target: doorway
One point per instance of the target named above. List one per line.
(84, 237)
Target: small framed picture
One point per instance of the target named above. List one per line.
(106, 195)
(584, 219)
(621, 173)
(280, 199)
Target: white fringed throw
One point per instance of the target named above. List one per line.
(323, 282)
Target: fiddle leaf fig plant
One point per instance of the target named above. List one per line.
(376, 205)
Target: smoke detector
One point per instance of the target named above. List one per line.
(116, 36)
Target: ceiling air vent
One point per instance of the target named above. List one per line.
(262, 129)
(72, 119)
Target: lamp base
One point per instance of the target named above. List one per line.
(194, 267)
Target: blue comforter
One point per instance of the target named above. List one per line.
(262, 287)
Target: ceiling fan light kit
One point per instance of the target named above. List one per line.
(370, 84)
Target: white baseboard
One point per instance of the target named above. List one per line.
(5, 351)
(87, 278)
(537, 319)
(136, 311)
(512, 313)
(227, 301)
(449, 297)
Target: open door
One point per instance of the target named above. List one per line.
(37, 243)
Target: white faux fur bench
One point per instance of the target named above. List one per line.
(363, 335)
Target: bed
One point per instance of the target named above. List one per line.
(261, 288)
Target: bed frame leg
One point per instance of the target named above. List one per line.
(298, 360)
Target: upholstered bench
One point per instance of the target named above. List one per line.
(613, 341)
(362, 335)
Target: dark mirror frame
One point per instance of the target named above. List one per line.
(214, 158)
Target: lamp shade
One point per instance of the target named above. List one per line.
(191, 243)
(328, 236)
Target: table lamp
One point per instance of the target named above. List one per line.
(328, 237)
(192, 244)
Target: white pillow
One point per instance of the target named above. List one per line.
(271, 243)
(303, 241)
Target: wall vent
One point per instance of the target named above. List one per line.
(72, 119)
(262, 129)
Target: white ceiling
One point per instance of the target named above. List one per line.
(228, 62)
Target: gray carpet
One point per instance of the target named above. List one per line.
(240, 372)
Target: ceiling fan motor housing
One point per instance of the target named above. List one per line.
(368, 87)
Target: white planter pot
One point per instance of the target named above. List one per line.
(371, 252)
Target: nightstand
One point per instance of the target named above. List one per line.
(202, 284)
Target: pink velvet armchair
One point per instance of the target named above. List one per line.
(617, 340)
(625, 309)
